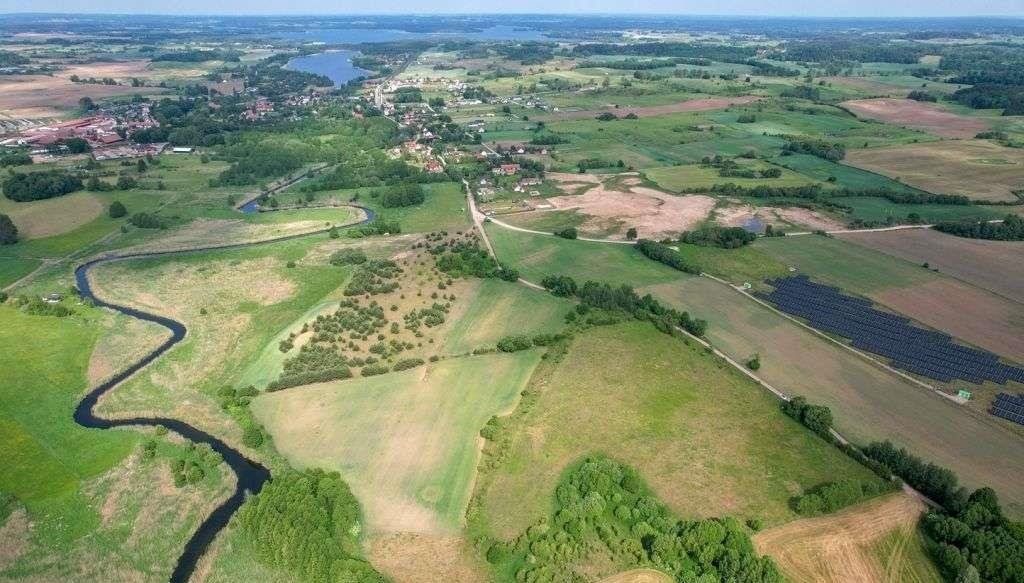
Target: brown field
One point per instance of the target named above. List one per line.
(737, 216)
(868, 403)
(41, 96)
(419, 558)
(917, 115)
(619, 203)
(703, 104)
(969, 313)
(978, 169)
(992, 265)
(638, 576)
(840, 548)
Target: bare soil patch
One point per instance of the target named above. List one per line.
(837, 548)
(654, 213)
(419, 558)
(992, 265)
(638, 576)
(978, 169)
(738, 216)
(969, 313)
(917, 115)
(703, 104)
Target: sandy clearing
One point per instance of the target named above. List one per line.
(917, 115)
(654, 213)
(992, 265)
(418, 558)
(836, 548)
(979, 169)
(738, 216)
(703, 104)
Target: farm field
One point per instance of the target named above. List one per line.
(869, 208)
(991, 265)
(969, 313)
(919, 115)
(14, 268)
(979, 169)
(872, 541)
(867, 402)
(693, 178)
(845, 176)
(704, 104)
(707, 440)
(537, 256)
(43, 96)
(407, 442)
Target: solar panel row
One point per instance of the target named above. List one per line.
(924, 352)
(1009, 407)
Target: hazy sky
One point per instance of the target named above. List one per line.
(723, 7)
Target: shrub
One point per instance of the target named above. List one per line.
(373, 370)
(568, 233)
(832, 496)
(717, 236)
(817, 418)
(559, 285)
(145, 220)
(507, 274)
(514, 343)
(348, 256)
(666, 255)
(305, 378)
(8, 232)
(407, 364)
(117, 210)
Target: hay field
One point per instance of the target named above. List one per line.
(876, 541)
(867, 402)
(537, 256)
(919, 115)
(707, 440)
(969, 313)
(54, 216)
(407, 442)
(702, 104)
(979, 169)
(992, 265)
(43, 96)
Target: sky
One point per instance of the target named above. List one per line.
(840, 8)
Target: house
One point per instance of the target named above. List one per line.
(507, 169)
(53, 298)
(434, 167)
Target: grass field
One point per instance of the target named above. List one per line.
(875, 541)
(845, 176)
(970, 313)
(499, 308)
(84, 492)
(707, 440)
(406, 442)
(746, 264)
(879, 209)
(14, 268)
(687, 178)
(991, 265)
(444, 209)
(537, 256)
(978, 169)
(868, 403)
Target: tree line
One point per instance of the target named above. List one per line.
(1011, 229)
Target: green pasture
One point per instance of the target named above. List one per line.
(689, 177)
(845, 176)
(14, 268)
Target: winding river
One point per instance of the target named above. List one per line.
(251, 475)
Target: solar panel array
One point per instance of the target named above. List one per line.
(1009, 407)
(924, 352)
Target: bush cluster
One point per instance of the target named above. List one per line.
(817, 418)
(832, 496)
(40, 185)
(666, 255)
(718, 236)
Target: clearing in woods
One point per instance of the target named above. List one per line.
(979, 169)
(917, 115)
(992, 265)
(875, 541)
(708, 440)
(407, 442)
(868, 403)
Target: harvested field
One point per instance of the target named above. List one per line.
(703, 104)
(979, 169)
(420, 558)
(614, 208)
(840, 548)
(407, 442)
(917, 115)
(778, 217)
(54, 216)
(992, 265)
(42, 96)
(868, 403)
(639, 576)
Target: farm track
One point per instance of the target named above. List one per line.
(250, 475)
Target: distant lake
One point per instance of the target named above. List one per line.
(362, 35)
(335, 65)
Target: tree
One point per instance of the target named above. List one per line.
(8, 232)
(969, 575)
(117, 210)
(86, 104)
(631, 234)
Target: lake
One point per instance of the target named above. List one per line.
(362, 35)
(335, 65)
